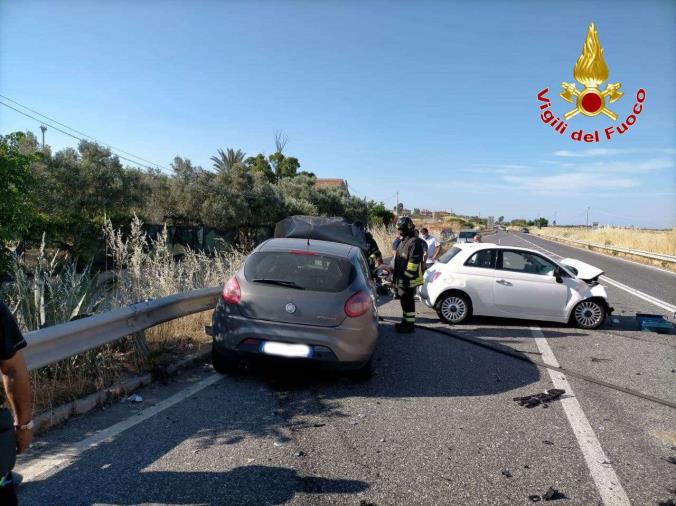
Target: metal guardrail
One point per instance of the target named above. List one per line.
(639, 253)
(59, 342)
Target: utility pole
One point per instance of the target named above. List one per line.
(43, 128)
(396, 209)
(588, 216)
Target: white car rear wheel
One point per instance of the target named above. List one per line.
(589, 314)
(454, 308)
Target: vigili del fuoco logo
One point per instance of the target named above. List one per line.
(590, 71)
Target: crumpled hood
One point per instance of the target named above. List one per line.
(582, 270)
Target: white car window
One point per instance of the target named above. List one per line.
(484, 259)
(521, 261)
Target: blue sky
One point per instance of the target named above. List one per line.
(436, 100)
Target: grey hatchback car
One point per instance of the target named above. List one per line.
(298, 299)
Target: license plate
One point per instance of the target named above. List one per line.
(286, 349)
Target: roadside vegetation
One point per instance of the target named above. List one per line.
(70, 194)
(654, 241)
(52, 289)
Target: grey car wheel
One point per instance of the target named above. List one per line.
(454, 308)
(589, 314)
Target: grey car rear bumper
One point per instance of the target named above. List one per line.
(351, 342)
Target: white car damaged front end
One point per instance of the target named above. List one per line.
(589, 289)
(570, 293)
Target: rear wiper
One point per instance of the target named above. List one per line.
(288, 284)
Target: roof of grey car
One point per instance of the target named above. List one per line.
(323, 247)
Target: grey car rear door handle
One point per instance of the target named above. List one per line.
(504, 282)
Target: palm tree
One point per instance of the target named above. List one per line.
(227, 159)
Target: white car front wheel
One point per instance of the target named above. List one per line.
(454, 308)
(589, 314)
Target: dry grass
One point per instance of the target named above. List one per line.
(52, 291)
(654, 241)
(384, 237)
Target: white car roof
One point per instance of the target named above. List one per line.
(490, 245)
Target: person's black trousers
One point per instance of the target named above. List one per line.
(8, 491)
(406, 297)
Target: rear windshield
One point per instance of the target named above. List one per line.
(465, 235)
(314, 272)
(448, 255)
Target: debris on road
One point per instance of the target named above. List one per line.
(552, 495)
(547, 442)
(653, 323)
(364, 502)
(596, 359)
(530, 401)
(134, 398)
(300, 453)
(507, 473)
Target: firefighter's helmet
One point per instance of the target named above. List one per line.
(405, 225)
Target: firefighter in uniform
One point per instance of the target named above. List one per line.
(408, 272)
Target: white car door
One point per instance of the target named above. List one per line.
(479, 273)
(525, 286)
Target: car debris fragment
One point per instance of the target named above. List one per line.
(530, 401)
(552, 494)
(507, 473)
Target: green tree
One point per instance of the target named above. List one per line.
(283, 166)
(259, 165)
(379, 214)
(226, 160)
(16, 184)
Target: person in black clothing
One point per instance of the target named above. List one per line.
(407, 272)
(18, 435)
(373, 254)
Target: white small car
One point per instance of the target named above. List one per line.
(494, 280)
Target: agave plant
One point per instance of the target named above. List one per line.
(51, 290)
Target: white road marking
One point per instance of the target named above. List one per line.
(633, 291)
(640, 295)
(48, 464)
(607, 482)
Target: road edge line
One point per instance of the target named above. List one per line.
(48, 463)
(604, 476)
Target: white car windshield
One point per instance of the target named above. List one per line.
(445, 257)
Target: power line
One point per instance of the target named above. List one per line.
(109, 146)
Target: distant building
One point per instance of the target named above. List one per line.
(332, 183)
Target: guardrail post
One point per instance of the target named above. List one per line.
(141, 345)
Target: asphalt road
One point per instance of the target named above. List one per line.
(435, 425)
